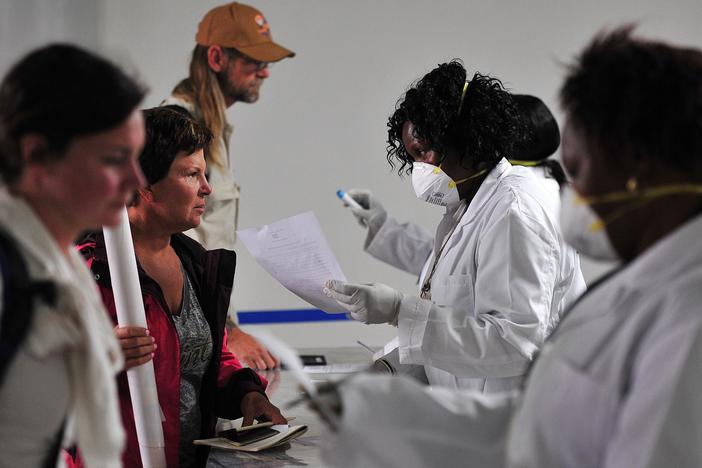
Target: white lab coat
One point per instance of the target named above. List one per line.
(501, 284)
(619, 384)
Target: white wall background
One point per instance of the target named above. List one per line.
(320, 122)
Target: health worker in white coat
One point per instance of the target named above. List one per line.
(497, 275)
(619, 383)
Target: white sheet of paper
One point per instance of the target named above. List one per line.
(344, 368)
(295, 252)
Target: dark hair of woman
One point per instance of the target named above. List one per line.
(60, 92)
(653, 116)
(484, 130)
(169, 131)
(542, 136)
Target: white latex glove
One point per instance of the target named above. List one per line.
(373, 214)
(367, 303)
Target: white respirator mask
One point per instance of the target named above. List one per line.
(583, 229)
(434, 186)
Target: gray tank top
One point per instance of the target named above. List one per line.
(195, 355)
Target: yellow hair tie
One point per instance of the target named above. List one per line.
(463, 96)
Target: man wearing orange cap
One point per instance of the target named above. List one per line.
(229, 64)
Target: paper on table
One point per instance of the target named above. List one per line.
(295, 252)
(285, 435)
(345, 368)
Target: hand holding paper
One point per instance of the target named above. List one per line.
(295, 252)
(367, 303)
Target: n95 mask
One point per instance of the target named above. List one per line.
(433, 185)
(583, 229)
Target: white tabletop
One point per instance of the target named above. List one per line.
(282, 388)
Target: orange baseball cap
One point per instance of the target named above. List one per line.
(243, 28)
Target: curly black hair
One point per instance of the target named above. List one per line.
(483, 132)
(638, 97)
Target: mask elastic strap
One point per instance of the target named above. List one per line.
(646, 194)
(639, 196)
(452, 184)
(600, 224)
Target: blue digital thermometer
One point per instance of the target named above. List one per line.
(346, 198)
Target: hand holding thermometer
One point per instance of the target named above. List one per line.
(346, 198)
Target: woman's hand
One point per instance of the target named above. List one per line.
(249, 350)
(137, 345)
(255, 405)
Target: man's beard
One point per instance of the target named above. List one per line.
(247, 94)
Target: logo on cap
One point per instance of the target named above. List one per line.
(263, 28)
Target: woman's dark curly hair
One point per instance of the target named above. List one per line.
(629, 95)
(484, 131)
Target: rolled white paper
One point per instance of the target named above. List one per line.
(130, 312)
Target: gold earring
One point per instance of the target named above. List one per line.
(631, 184)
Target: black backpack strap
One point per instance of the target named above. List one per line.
(55, 449)
(18, 293)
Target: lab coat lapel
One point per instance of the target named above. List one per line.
(662, 262)
(678, 251)
(603, 304)
(481, 198)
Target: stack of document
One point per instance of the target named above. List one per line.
(254, 438)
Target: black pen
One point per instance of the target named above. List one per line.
(371, 350)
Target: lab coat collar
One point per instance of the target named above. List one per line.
(461, 217)
(660, 264)
(666, 259)
(484, 193)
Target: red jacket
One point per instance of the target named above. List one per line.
(224, 383)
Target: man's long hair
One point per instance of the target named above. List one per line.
(202, 87)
